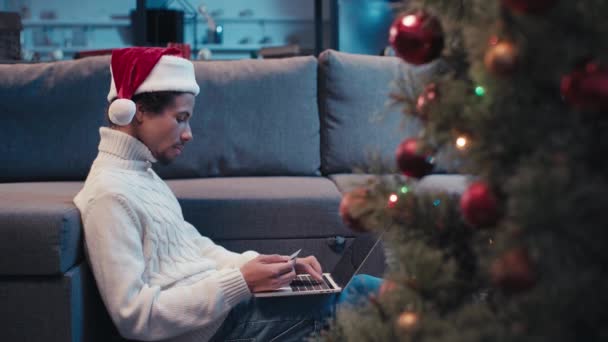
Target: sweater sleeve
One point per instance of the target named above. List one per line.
(223, 257)
(139, 310)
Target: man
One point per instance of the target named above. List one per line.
(158, 277)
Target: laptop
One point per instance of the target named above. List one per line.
(333, 282)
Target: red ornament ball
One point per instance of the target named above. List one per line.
(425, 99)
(479, 205)
(501, 58)
(410, 161)
(513, 271)
(586, 87)
(416, 37)
(529, 6)
(351, 203)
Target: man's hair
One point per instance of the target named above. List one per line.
(151, 102)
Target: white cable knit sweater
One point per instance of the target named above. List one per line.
(158, 277)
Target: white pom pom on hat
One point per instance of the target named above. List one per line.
(121, 111)
(146, 69)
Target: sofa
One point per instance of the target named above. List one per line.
(275, 146)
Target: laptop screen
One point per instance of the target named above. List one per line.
(353, 258)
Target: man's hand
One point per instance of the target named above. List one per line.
(311, 266)
(268, 272)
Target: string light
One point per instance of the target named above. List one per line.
(392, 199)
(461, 142)
(404, 189)
(480, 91)
(407, 320)
(437, 202)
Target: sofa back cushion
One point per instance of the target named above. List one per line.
(252, 117)
(49, 118)
(358, 129)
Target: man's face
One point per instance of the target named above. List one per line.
(166, 133)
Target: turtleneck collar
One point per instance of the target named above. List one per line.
(119, 146)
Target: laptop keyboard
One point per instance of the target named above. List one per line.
(304, 282)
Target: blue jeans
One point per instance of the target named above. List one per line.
(291, 318)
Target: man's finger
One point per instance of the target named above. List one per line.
(283, 268)
(308, 269)
(286, 278)
(273, 258)
(316, 265)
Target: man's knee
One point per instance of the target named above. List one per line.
(366, 284)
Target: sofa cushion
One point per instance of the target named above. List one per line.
(65, 307)
(347, 182)
(358, 130)
(450, 183)
(252, 117)
(49, 118)
(261, 207)
(40, 228)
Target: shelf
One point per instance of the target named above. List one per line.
(48, 49)
(237, 20)
(212, 47)
(258, 21)
(232, 47)
(126, 22)
(71, 23)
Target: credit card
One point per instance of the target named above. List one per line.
(295, 254)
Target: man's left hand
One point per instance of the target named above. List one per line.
(309, 265)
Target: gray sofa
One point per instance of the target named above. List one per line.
(275, 143)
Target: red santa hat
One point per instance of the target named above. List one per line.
(146, 69)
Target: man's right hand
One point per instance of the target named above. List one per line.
(268, 272)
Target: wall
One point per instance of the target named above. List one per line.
(363, 25)
(86, 24)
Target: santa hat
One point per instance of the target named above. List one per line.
(146, 69)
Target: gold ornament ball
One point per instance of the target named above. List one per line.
(501, 58)
(407, 320)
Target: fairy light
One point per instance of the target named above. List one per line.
(420, 102)
(436, 202)
(408, 320)
(461, 142)
(480, 91)
(392, 200)
(404, 189)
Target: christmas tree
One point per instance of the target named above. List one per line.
(521, 100)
